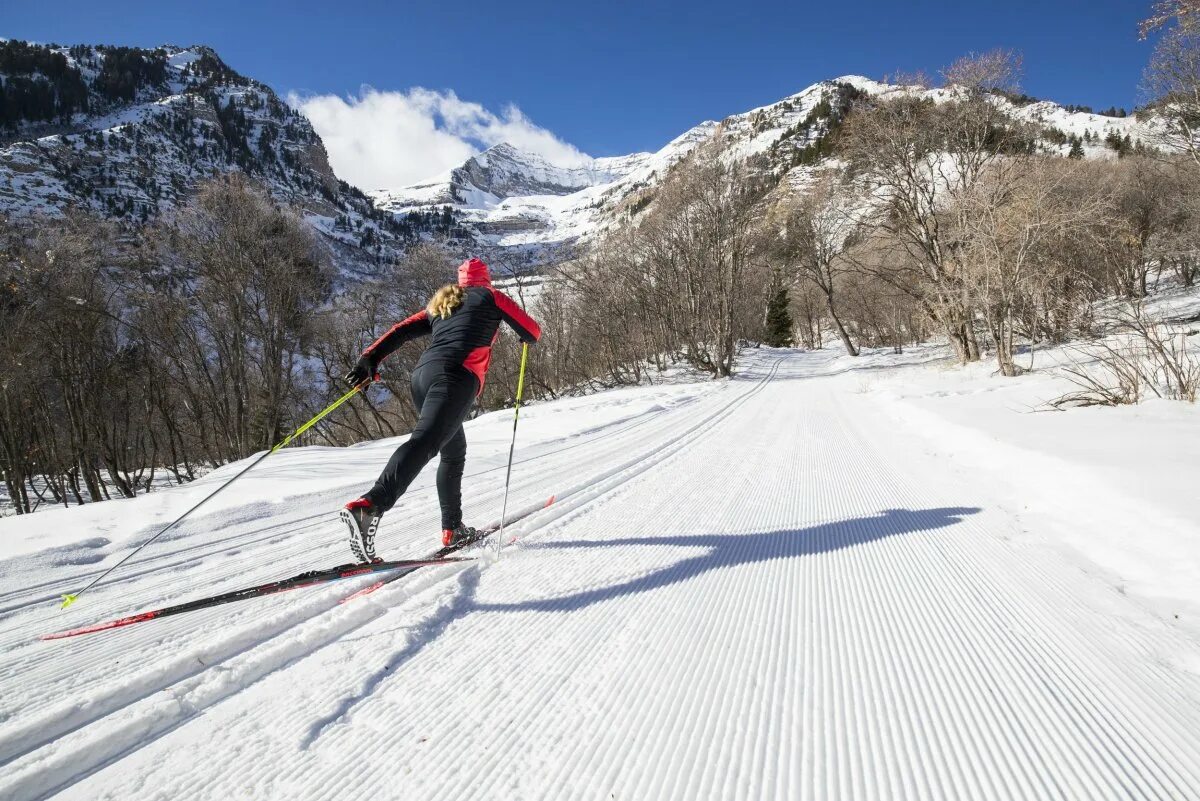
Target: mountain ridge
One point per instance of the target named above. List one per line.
(514, 214)
(129, 134)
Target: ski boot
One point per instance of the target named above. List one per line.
(361, 521)
(459, 536)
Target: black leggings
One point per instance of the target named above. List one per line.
(444, 393)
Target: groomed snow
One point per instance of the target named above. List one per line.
(809, 582)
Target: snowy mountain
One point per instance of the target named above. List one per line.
(128, 133)
(517, 200)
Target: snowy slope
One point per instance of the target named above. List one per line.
(769, 587)
(1043, 114)
(517, 200)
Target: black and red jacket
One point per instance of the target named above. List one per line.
(466, 336)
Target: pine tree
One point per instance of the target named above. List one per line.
(779, 319)
(1076, 150)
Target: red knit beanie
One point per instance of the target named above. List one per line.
(473, 272)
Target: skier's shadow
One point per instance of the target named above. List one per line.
(727, 550)
(720, 551)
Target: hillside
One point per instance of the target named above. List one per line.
(517, 200)
(128, 133)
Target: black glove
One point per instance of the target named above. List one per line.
(362, 371)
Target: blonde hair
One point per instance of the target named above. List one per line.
(445, 301)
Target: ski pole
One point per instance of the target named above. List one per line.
(70, 598)
(512, 446)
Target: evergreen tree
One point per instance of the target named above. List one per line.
(1076, 150)
(1117, 143)
(779, 318)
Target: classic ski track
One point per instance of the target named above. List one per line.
(810, 647)
(168, 559)
(301, 553)
(57, 723)
(905, 693)
(983, 704)
(577, 500)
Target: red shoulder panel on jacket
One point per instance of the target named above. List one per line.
(526, 327)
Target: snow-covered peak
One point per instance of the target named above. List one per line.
(179, 58)
(514, 198)
(504, 170)
(129, 133)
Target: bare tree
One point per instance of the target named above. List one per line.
(1172, 80)
(697, 246)
(1016, 217)
(234, 310)
(74, 391)
(921, 160)
(808, 308)
(819, 227)
(1186, 13)
(994, 70)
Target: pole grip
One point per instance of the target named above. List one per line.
(521, 375)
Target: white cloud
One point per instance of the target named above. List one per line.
(392, 139)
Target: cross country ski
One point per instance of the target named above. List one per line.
(312, 578)
(308, 579)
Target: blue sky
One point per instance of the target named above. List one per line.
(614, 77)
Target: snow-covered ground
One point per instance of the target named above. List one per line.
(824, 579)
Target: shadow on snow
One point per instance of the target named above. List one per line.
(721, 551)
(727, 550)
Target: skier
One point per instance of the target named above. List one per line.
(464, 319)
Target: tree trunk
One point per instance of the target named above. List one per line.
(841, 329)
(973, 352)
(1187, 271)
(1001, 330)
(958, 341)
(16, 491)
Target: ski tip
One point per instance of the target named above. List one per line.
(68, 599)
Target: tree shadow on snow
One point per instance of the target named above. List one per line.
(728, 550)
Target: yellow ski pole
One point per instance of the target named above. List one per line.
(512, 446)
(70, 598)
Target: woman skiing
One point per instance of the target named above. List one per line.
(464, 319)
